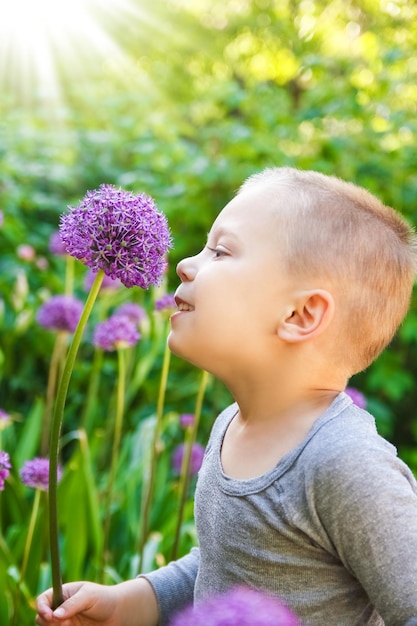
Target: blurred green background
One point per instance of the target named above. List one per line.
(183, 99)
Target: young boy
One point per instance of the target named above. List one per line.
(302, 283)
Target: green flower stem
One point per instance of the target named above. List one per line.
(55, 438)
(121, 386)
(154, 454)
(69, 275)
(92, 391)
(185, 466)
(31, 530)
(87, 418)
(54, 371)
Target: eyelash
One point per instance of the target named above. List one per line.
(217, 252)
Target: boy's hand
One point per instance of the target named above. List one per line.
(85, 604)
(131, 603)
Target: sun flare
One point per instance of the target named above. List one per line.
(42, 41)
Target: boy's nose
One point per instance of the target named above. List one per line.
(185, 269)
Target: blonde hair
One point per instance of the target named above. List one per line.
(368, 251)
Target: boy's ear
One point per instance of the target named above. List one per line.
(310, 315)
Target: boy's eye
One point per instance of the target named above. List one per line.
(218, 252)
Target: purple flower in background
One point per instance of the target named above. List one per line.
(357, 397)
(5, 467)
(187, 420)
(56, 245)
(42, 263)
(60, 313)
(116, 332)
(196, 459)
(26, 252)
(1, 219)
(239, 607)
(35, 473)
(108, 283)
(5, 419)
(118, 232)
(166, 302)
(134, 312)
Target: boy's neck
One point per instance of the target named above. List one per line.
(289, 393)
(281, 406)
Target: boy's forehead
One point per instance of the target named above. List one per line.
(249, 215)
(251, 205)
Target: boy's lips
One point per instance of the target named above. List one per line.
(182, 304)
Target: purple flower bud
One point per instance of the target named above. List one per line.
(26, 252)
(119, 232)
(60, 313)
(56, 245)
(35, 473)
(196, 459)
(186, 420)
(357, 397)
(166, 303)
(240, 606)
(5, 419)
(134, 312)
(5, 467)
(116, 332)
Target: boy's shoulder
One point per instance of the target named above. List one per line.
(345, 452)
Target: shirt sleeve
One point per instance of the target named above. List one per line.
(366, 500)
(174, 585)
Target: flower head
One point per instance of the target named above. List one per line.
(35, 473)
(240, 606)
(134, 312)
(1, 218)
(56, 245)
(196, 458)
(5, 467)
(26, 252)
(186, 420)
(5, 419)
(116, 332)
(60, 313)
(166, 303)
(119, 232)
(357, 397)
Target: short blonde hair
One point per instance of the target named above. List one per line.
(368, 251)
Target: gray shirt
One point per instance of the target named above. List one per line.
(331, 530)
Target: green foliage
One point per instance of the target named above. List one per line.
(211, 92)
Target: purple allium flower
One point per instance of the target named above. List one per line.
(116, 332)
(357, 397)
(134, 312)
(240, 606)
(196, 459)
(60, 313)
(166, 302)
(56, 245)
(108, 283)
(5, 467)
(5, 419)
(1, 219)
(119, 232)
(35, 473)
(186, 420)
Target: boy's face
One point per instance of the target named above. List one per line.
(234, 292)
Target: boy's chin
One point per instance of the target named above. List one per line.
(178, 348)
